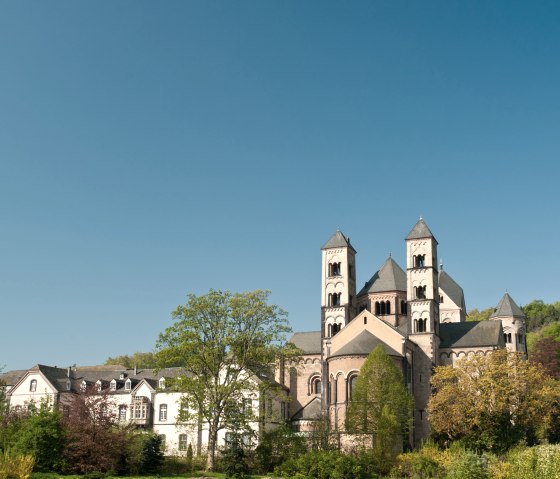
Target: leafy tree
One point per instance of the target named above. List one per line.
(234, 458)
(138, 359)
(322, 437)
(381, 406)
(546, 353)
(222, 341)
(493, 401)
(94, 441)
(41, 435)
(476, 315)
(540, 314)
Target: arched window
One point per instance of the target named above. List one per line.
(352, 386)
(334, 329)
(315, 385)
(420, 292)
(33, 386)
(377, 308)
(330, 298)
(329, 331)
(388, 307)
(403, 307)
(419, 260)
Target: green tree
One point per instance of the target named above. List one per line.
(152, 454)
(223, 341)
(540, 314)
(277, 446)
(476, 315)
(381, 406)
(42, 435)
(138, 359)
(493, 401)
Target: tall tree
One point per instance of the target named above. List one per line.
(546, 353)
(222, 341)
(540, 314)
(381, 406)
(493, 401)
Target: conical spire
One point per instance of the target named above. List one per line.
(338, 240)
(507, 307)
(420, 230)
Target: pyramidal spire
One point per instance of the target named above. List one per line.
(338, 240)
(420, 230)
(507, 307)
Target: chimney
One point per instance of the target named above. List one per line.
(135, 370)
(68, 371)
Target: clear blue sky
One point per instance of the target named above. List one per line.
(151, 149)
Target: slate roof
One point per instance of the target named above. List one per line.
(338, 240)
(362, 345)
(507, 307)
(420, 230)
(9, 378)
(312, 410)
(308, 342)
(390, 277)
(451, 289)
(471, 334)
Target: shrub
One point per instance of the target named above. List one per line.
(152, 455)
(539, 462)
(328, 465)
(468, 465)
(276, 447)
(15, 466)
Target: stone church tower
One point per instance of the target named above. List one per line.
(513, 322)
(423, 314)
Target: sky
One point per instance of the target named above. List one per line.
(153, 149)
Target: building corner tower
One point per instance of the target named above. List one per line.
(423, 317)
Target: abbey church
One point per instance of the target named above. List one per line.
(417, 315)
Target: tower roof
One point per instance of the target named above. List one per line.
(451, 288)
(420, 230)
(338, 240)
(507, 307)
(390, 277)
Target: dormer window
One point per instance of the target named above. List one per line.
(68, 385)
(83, 385)
(33, 386)
(113, 385)
(162, 383)
(122, 376)
(98, 386)
(128, 385)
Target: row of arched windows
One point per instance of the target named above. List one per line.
(419, 260)
(332, 329)
(382, 307)
(420, 325)
(334, 299)
(334, 269)
(420, 292)
(350, 388)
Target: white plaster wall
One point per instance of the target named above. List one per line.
(21, 396)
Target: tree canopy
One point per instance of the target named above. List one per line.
(493, 401)
(381, 406)
(226, 344)
(138, 359)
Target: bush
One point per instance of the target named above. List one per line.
(416, 465)
(539, 462)
(15, 466)
(468, 465)
(328, 465)
(276, 447)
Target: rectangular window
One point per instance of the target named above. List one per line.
(183, 442)
(247, 439)
(122, 413)
(269, 407)
(163, 412)
(247, 407)
(228, 439)
(163, 439)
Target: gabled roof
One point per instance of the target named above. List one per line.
(309, 342)
(338, 240)
(507, 307)
(471, 334)
(309, 412)
(363, 344)
(390, 277)
(451, 289)
(420, 230)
